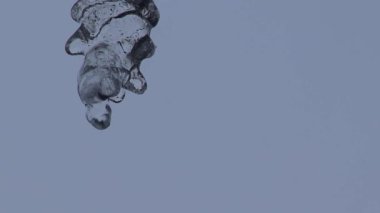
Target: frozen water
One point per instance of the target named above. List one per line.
(114, 37)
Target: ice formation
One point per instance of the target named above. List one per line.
(114, 37)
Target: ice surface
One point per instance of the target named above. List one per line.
(114, 37)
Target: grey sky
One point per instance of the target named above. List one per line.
(252, 107)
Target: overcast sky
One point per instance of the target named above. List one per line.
(253, 106)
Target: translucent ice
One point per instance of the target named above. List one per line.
(114, 37)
